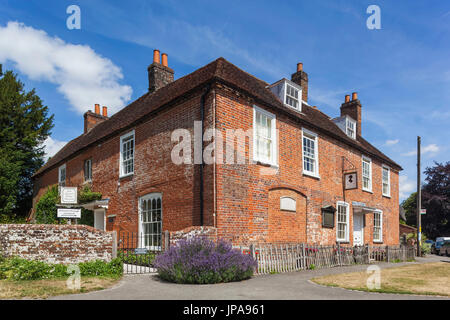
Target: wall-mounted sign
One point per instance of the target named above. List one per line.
(350, 180)
(69, 213)
(69, 195)
(328, 216)
(288, 204)
(423, 211)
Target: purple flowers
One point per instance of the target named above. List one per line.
(199, 260)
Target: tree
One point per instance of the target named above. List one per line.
(435, 199)
(24, 126)
(410, 205)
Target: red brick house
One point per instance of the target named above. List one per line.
(290, 189)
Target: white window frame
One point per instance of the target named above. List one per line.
(90, 170)
(298, 99)
(125, 136)
(347, 223)
(381, 226)
(273, 161)
(388, 193)
(311, 136)
(59, 175)
(349, 120)
(366, 159)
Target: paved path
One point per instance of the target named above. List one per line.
(285, 286)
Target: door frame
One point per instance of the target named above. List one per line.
(360, 215)
(153, 195)
(104, 218)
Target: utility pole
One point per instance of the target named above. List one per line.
(419, 201)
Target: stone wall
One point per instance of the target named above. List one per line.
(209, 232)
(57, 243)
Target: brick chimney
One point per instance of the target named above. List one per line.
(301, 78)
(353, 109)
(159, 74)
(91, 119)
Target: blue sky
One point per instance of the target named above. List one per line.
(401, 72)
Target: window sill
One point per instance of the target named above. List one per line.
(367, 190)
(387, 196)
(265, 163)
(343, 242)
(312, 175)
(126, 175)
(378, 242)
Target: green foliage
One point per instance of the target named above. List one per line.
(22, 269)
(435, 199)
(6, 219)
(101, 268)
(137, 259)
(87, 195)
(312, 266)
(24, 126)
(46, 211)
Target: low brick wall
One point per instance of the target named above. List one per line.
(209, 232)
(57, 243)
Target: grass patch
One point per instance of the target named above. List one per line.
(42, 289)
(426, 279)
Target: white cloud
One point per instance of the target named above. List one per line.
(391, 142)
(82, 76)
(52, 146)
(431, 148)
(407, 186)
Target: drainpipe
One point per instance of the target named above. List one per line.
(202, 165)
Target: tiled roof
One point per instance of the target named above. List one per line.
(219, 70)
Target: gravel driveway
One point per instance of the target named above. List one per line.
(285, 286)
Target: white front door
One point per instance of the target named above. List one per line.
(99, 219)
(358, 229)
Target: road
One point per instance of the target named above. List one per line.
(285, 286)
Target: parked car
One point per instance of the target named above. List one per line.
(439, 243)
(444, 250)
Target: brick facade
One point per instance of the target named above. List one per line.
(56, 243)
(241, 200)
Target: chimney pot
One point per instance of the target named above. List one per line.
(97, 108)
(354, 96)
(164, 60)
(156, 58)
(105, 111)
(347, 98)
(299, 66)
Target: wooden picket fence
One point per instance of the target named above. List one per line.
(276, 258)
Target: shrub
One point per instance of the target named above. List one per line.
(199, 260)
(46, 211)
(22, 269)
(146, 259)
(101, 268)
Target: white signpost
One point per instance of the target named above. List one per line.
(69, 196)
(69, 213)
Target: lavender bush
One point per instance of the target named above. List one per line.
(199, 260)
